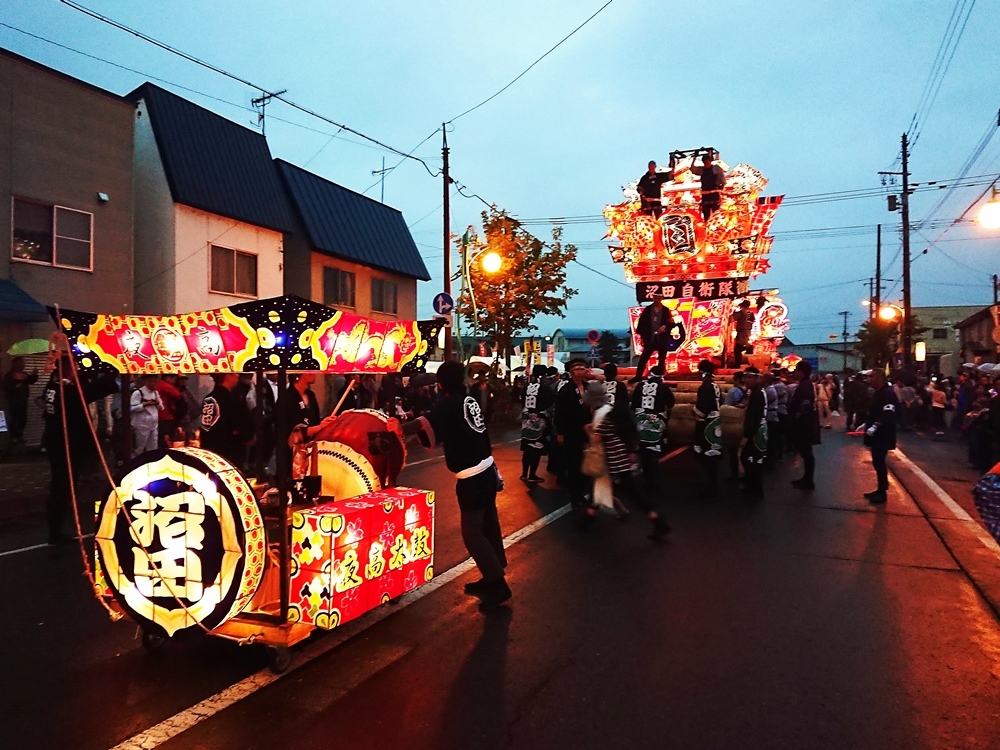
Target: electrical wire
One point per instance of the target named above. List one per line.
(939, 69)
(176, 85)
(232, 76)
(524, 72)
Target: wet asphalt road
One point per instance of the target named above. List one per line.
(802, 621)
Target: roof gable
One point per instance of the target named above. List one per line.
(352, 226)
(17, 305)
(215, 164)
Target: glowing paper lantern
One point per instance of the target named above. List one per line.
(180, 541)
(706, 325)
(351, 556)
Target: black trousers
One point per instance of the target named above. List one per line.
(650, 462)
(709, 205)
(576, 481)
(805, 449)
(530, 458)
(647, 353)
(627, 489)
(59, 490)
(881, 467)
(853, 418)
(17, 419)
(775, 440)
(477, 500)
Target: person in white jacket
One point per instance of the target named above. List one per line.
(145, 410)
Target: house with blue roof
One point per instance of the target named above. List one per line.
(349, 251)
(211, 213)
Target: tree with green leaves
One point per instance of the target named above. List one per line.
(878, 339)
(531, 280)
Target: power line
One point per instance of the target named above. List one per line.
(176, 85)
(523, 72)
(244, 81)
(939, 69)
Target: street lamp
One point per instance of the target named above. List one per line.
(989, 214)
(491, 263)
(890, 312)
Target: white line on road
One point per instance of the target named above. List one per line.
(175, 725)
(959, 512)
(33, 546)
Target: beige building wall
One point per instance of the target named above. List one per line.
(406, 287)
(195, 232)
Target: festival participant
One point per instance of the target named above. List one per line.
(661, 331)
(457, 421)
(713, 181)
(742, 320)
(648, 187)
(145, 406)
(17, 382)
(773, 423)
(782, 394)
(616, 391)
(614, 430)
(652, 401)
(55, 440)
(708, 426)
(538, 400)
(880, 433)
(172, 410)
(571, 417)
(225, 424)
(805, 424)
(737, 396)
(755, 434)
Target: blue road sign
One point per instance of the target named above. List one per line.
(593, 337)
(443, 303)
(594, 353)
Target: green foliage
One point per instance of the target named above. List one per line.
(532, 280)
(878, 339)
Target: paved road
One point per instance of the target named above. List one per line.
(803, 621)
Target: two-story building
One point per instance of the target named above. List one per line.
(977, 336)
(349, 251)
(66, 203)
(211, 213)
(941, 339)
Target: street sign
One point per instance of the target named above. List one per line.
(550, 355)
(593, 337)
(443, 303)
(446, 320)
(594, 353)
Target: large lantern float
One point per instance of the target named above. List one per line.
(700, 269)
(186, 542)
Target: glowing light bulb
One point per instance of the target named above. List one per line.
(887, 313)
(492, 262)
(989, 214)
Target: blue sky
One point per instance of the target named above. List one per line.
(814, 94)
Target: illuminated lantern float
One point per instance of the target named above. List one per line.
(184, 541)
(699, 269)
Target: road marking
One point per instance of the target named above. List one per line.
(33, 546)
(175, 725)
(959, 512)
(441, 458)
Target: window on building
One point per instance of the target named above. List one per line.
(384, 296)
(233, 272)
(940, 333)
(338, 287)
(53, 235)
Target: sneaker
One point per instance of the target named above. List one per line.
(873, 493)
(494, 594)
(535, 478)
(836, 414)
(877, 498)
(802, 484)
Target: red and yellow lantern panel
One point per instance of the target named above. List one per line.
(351, 556)
(279, 333)
(180, 541)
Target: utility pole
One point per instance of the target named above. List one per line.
(878, 269)
(996, 289)
(845, 313)
(907, 296)
(382, 172)
(447, 232)
(871, 298)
